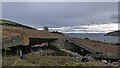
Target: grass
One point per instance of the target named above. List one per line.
(7, 22)
(14, 61)
(10, 23)
(37, 60)
(51, 60)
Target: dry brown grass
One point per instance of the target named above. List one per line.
(9, 32)
(103, 47)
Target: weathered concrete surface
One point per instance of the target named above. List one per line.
(25, 41)
(83, 46)
(34, 41)
(74, 47)
(96, 54)
(108, 58)
(105, 56)
(70, 52)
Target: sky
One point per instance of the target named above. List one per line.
(60, 14)
(59, 0)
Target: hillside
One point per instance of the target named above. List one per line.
(114, 33)
(10, 23)
(12, 29)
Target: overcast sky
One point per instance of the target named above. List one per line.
(59, 0)
(59, 14)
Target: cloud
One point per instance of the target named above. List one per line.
(60, 0)
(58, 14)
(92, 28)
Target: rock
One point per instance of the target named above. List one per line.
(114, 33)
(104, 61)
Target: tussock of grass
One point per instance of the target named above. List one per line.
(51, 60)
(7, 61)
(14, 61)
(37, 60)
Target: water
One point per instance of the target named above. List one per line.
(96, 36)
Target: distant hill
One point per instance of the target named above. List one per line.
(11, 23)
(114, 33)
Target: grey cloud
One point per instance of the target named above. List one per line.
(57, 14)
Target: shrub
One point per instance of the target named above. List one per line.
(45, 28)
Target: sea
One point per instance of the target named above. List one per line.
(96, 36)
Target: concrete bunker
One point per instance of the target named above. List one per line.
(22, 44)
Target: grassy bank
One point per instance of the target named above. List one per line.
(37, 60)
